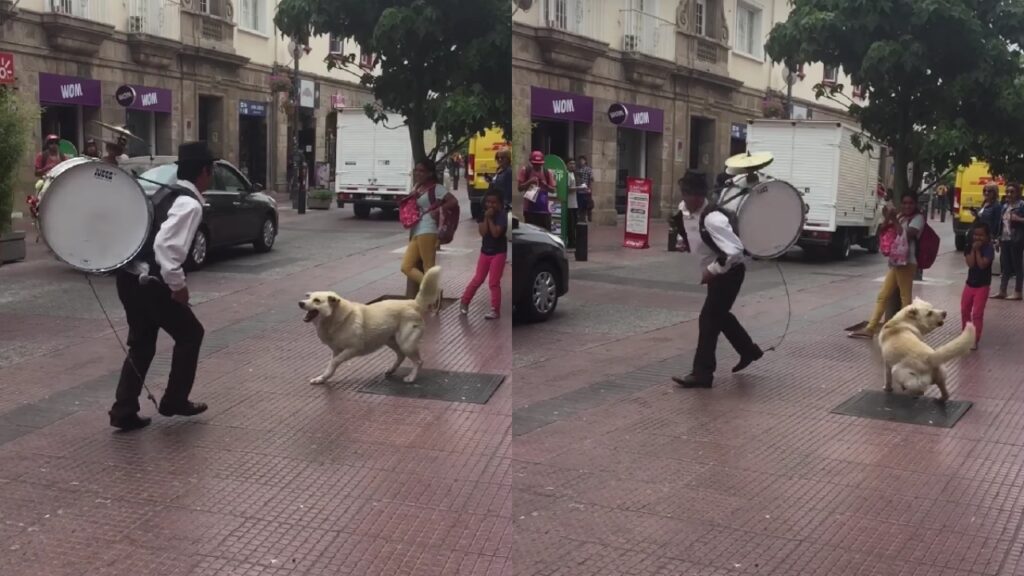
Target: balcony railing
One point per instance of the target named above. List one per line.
(87, 9)
(573, 16)
(155, 17)
(647, 34)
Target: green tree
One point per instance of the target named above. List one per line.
(941, 76)
(443, 63)
(16, 121)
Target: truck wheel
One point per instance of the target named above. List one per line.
(871, 244)
(362, 210)
(840, 247)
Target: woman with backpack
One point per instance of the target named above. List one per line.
(421, 212)
(902, 261)
(536, 182)
(1011, 244)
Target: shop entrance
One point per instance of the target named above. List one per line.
(252, 148)
(64, 121)
(702, 146)
(552, 137)
(211, 119)
(307, 142)
(632, 162)
(143, 125)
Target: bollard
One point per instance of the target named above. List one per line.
(582, 231)
(672, 241)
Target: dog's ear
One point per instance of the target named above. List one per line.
(334, 300)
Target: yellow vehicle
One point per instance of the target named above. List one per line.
(968, 196)
(481, 165)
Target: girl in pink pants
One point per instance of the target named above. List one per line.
(493, 253)
(979, 279)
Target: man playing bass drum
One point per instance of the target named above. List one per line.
(723, 267)
(155, 296)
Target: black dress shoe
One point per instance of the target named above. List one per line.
(186, 409)
(129, 423)
(693, 381)
(747, 360)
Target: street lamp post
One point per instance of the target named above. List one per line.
(297, 188)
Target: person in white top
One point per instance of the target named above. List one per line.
(723, 267)
(154, 292)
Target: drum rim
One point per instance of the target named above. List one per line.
(135, 251)
(803, 214)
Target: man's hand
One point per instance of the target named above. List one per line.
(180, 296)
(706, 276)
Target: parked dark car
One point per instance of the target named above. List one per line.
(540, 272)
(235, 211)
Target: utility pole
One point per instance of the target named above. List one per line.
(297, 159)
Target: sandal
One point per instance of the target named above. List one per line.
(999, 296)
(861, 335)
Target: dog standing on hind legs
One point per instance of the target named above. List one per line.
(910, 364)
(351, 329)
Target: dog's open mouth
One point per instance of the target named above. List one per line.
(310, 315)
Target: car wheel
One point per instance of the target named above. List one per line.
(199, 251)
(268, 233)
(543, 293)
(361, 210)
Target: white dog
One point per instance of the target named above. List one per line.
(352, 329)
(910, 364)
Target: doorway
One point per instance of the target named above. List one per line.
(632, 162)
(252, 148)
(64, 121)
(702, 145)
(211, 121)
(552, 137)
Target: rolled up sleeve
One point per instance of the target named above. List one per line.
(727, 241)
(174, 239)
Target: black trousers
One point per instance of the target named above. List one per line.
(716, 318)
(1011, 259)
(570, 234)
(149, 309)
(540, 219)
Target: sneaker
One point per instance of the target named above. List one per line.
(492, 315)
(463, 308)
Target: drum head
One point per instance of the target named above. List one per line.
(93, 216)
(770, 219)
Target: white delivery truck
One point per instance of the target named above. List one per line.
(374, 162)
(839, 182)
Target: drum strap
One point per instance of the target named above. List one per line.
(705, 236)
(162, 201)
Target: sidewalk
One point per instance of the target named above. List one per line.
(278, 477)
(618, 472)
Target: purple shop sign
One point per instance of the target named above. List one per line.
(69, 90)
(151, 99)
(637, 117)
(556, 105)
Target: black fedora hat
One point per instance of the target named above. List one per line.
(195, 152)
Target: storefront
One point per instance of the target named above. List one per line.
(252, 140)
(561, 121)
(737, 139)
(638, 144)
(149, 118)
(69, 103)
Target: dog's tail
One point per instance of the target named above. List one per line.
(430, 289)
(955, 348)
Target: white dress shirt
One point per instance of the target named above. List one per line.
(725, 238)
(174, 239)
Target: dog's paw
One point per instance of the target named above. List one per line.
(318, 380)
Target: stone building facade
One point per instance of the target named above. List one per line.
(198, 71)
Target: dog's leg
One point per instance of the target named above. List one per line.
(332, 366)
(416, 363)
(398, 361)
(939, 378)
(888, 376)
(409, 342)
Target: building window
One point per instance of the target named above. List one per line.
(204, 6)
(252, 16)
(335, 45)
(859, 92)
(700, 17)
(366, 60)
(831, 75)
(216, 7)
(748, 31)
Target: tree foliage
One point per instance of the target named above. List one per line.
(443, 63)
(16, 121)
(942, 77)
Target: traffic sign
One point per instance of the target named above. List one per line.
(6, 68)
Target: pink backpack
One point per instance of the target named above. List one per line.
(927, 247)
(448, 218)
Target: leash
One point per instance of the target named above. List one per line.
(149, 393)
(789, 309)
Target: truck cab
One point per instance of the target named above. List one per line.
(968, 195)
(481, 165)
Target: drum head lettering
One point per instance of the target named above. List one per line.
(93, 216)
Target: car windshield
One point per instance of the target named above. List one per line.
(167, 174)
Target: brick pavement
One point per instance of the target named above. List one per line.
(617, 472)
(278, 477)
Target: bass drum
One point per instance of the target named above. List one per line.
(92, 215)
(770, 216)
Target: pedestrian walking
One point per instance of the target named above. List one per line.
(155, 296)
(902, 262)
(454, 170)
(573, 202)
(584, 192)
(536, 182)
(428, 196)
(978, 255)
(1011, 244)
(723, 267)
(941, 193)
(502, 181)
(49, 157)
(490, 265)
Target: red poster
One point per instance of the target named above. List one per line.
(638, 213)
(6, 68)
